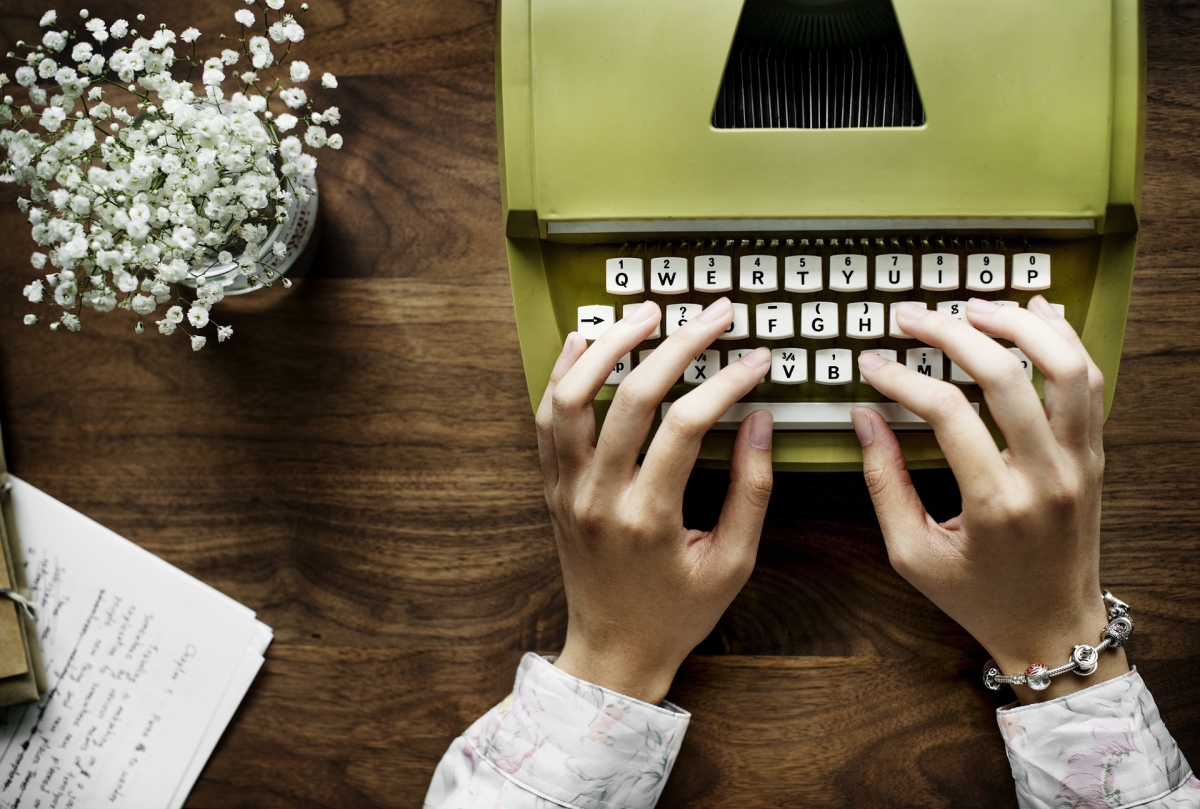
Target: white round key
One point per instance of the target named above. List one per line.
(1031, 271)
(802, 274)
(925, 360)
(832, 367)
(818, 320)
(865, 320)
(939, 271)
(678, 314)
(702, 367)
(848, 272)
(712, 274)
(623, 276)
(759, 273)
(789, 366)
(668, 275)
(985, 272)
(894, 272)
(773, 321)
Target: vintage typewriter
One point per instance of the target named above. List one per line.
(818, 161)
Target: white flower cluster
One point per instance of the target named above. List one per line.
(161, 180)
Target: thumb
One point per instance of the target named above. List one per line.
(750, 482)
(901, 513)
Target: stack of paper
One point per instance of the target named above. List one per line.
(145, 664)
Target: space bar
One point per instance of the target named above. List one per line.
(818, 415)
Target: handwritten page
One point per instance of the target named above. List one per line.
(146, 667)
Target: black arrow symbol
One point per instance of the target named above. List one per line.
(592, 320)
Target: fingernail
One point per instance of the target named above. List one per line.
(758, 359)
(718, 311)
(911, 310)
(871, 361)
(1043, 307)
(762, 430)
(643, 312)
(862, 423)
(567, 343)
(981, 306)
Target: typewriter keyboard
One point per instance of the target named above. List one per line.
(817, 304)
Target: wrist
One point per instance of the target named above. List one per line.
(1053, 648)
(644, 678)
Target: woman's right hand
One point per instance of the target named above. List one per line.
(1020, 567)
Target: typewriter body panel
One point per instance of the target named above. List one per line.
(1031, 144)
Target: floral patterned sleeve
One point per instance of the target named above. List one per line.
(557, 741)
(1104, 746)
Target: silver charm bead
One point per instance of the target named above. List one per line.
(1037, 677)
(1086, 659)
(990, 673)
(1115, 606)
(1119, 630)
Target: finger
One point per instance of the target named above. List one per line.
(574, 419)
(902, 516)
(639, 395)
(573, 347)
(673, 451)
(750, 480)
(1066, 371)
(1039, 306)
(965, 441)
(1011, 399)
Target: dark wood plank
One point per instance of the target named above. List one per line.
(359, 466)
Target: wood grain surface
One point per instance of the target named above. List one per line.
(359, 466)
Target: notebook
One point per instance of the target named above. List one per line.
(22, 675)
(145, 666)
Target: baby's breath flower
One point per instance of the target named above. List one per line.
(52, 118)
(34, 292)
(144, 304)
(123, 217)
(198, 316)
(244, 17)
(315, 137)
(30, 320)
(198, 341)
(48, 18)
(54, 40)
(335, 141)
(294, 97)
(328, 81)
(139, 328)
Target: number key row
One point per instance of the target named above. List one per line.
(894, 272)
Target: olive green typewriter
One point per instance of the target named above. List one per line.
(817, 161)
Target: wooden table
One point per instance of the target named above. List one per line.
(359, 466)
